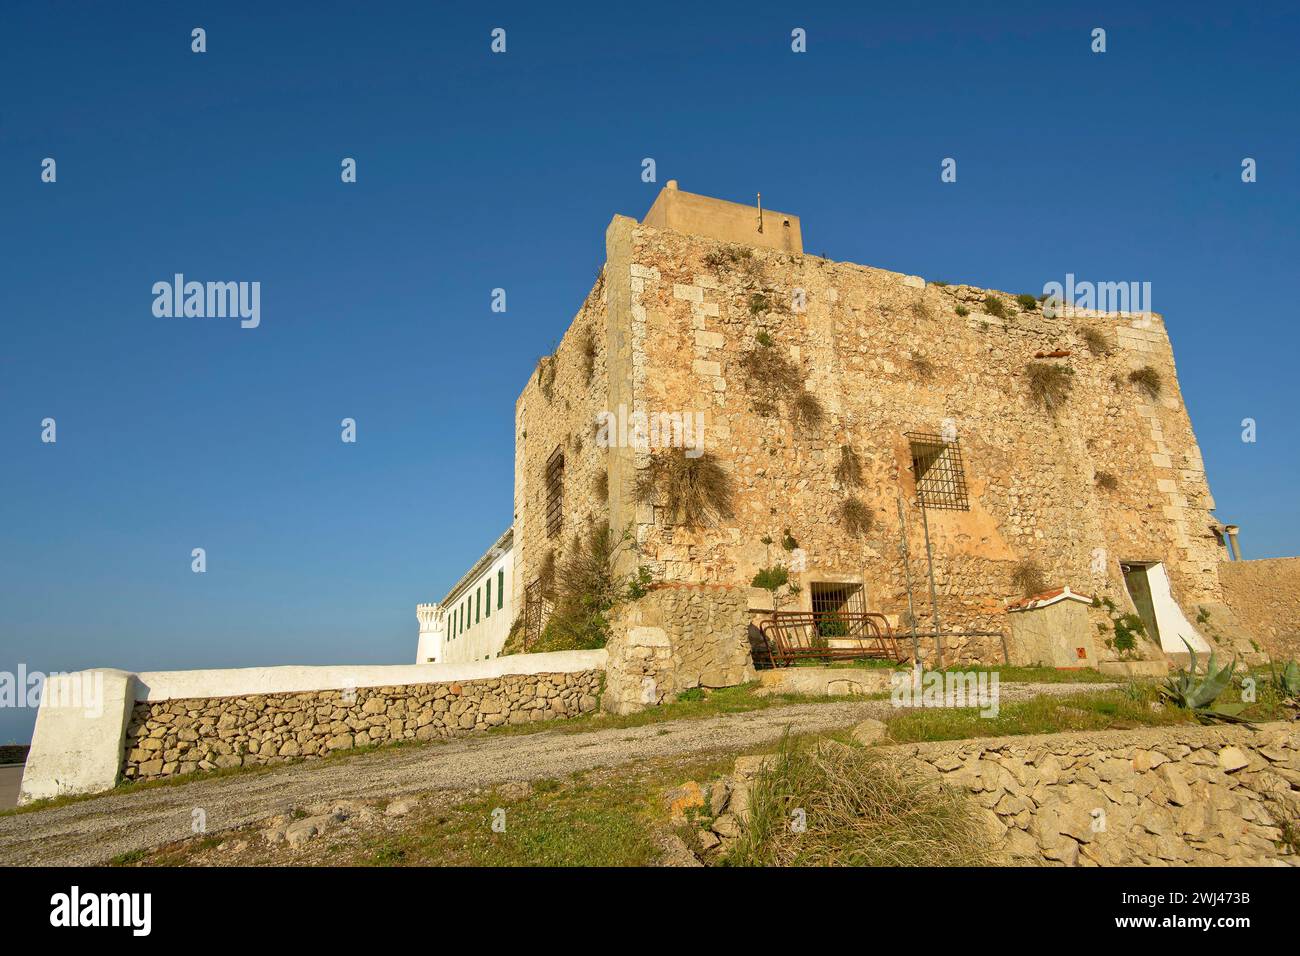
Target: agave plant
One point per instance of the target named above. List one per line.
(1190, 692)
(1288, 682)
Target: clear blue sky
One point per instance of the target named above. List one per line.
(477, 171)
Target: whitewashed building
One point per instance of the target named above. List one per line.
(472, 622)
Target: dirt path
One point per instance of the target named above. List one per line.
(95, 831)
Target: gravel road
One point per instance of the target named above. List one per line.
(94, 831)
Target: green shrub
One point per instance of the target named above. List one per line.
(995, 306)
(1026, 302)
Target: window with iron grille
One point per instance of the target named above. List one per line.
(555, 492)
(940, 480)
(829, 600)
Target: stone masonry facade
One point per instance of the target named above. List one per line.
(166, 738)
(676, 638)
(1113, 475)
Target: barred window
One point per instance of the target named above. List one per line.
(936, 465)
(555, 492)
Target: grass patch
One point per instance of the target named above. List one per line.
(1096, 710)
(860, 810)
(613, 821)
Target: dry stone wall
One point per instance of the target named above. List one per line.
(165, 738)
(1192, 795)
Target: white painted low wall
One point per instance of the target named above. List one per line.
(80, 749)
(240, 682)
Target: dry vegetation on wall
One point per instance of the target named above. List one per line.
(856, 517)
(849, 471)
(1028, 578)
(738, 259)
(772, 379)
(922, 366)
(600, 486)
(587, 349)
(1049, 384)
(586, 590)
(806, 410)
(697, 492)
(862, 810)
(1106, 481)
(1147, 380)
(1095, 340)
(546, 367)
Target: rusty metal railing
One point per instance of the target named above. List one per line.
(793, 636)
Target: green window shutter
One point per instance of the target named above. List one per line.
(488, 612)
(478, 603)
(501, 586)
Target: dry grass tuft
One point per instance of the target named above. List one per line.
(1028, 578)
(1096, 341)
(587, 347)
(769, 375)
(696, 491)
(861, 808)
(1049, 384)
(600, 485)
(1147, 379)
(856, 517)
(849, 471)
(546, 367)
(1106, 481)
(807, 410)
(922, 366)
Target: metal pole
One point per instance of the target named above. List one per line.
(907, 576)
(934, 600)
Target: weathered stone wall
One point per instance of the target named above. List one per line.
(1265, 595)
(558, 409)
(885, 355)
(675, 638)
(171, 737)
(1154, 797)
